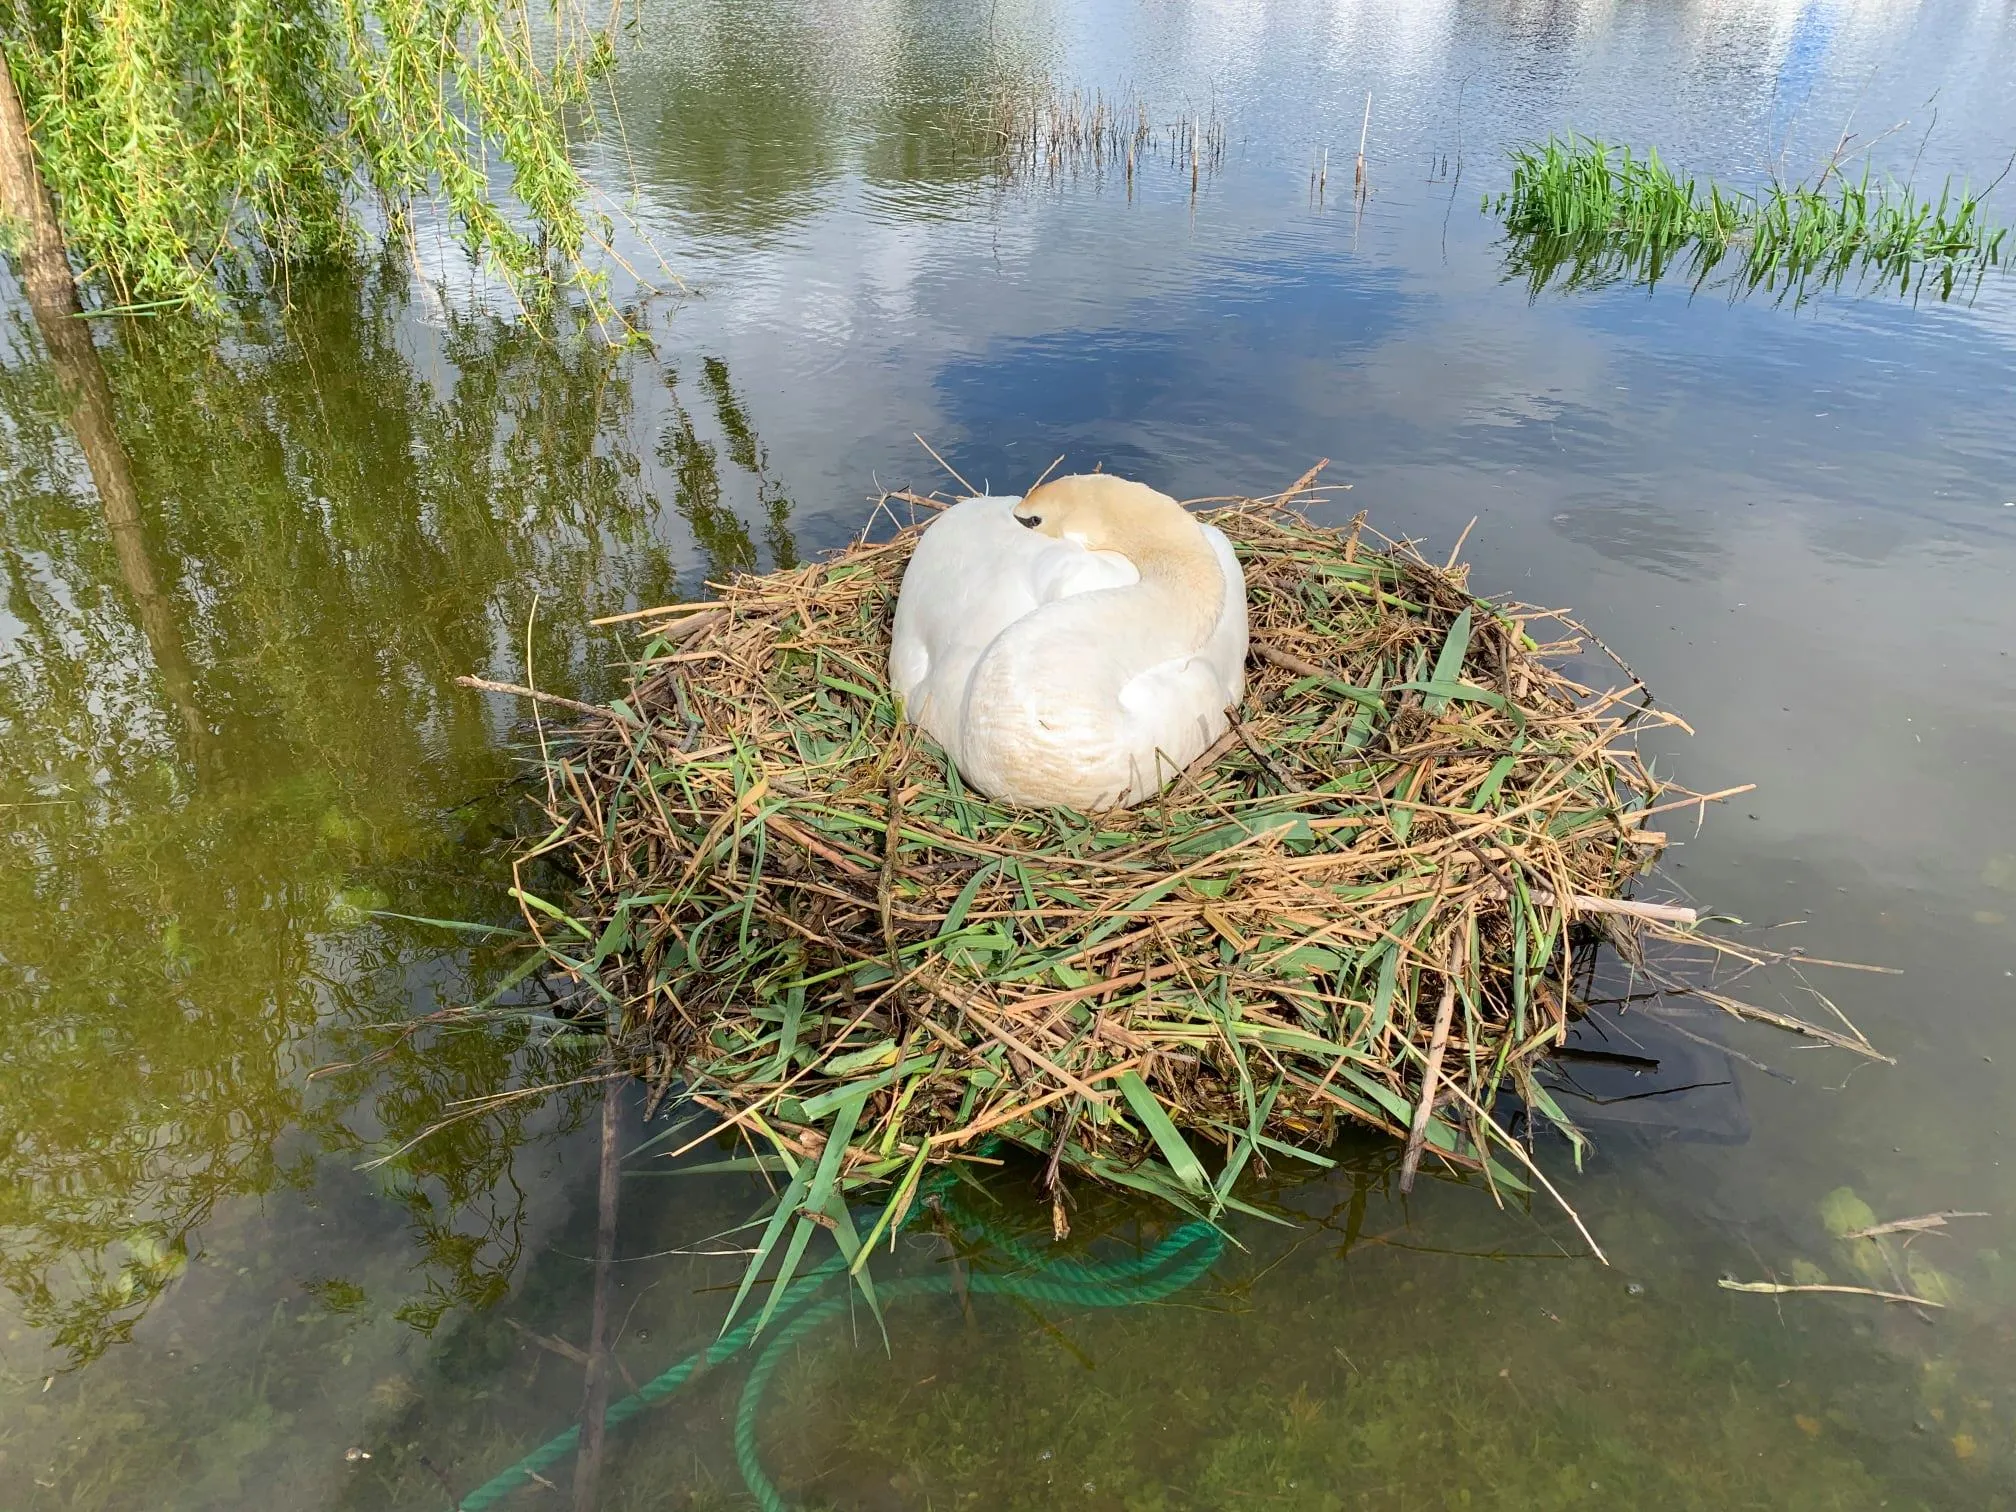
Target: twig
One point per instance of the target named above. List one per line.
(1658, 913)
(684, 628)
(1910, 1225)
(550, 1342)
(1520, 1154)
(575, 704)
(1782, 1288)
(924, 501)
(1055, 463)
(1036, 1058)
(1800, 958)
(1216, 749)
(970, 489)
(1456, 551)
(1292, 662)
(1259, 753)
(1304, 483)
(1640, 815)
(892, 842)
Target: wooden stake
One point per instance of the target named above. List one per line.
(595, 1388)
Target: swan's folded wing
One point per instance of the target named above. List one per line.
(975, 572)
(1176, 708)
(1064, 569)
(967, 580)
(1225, 651)
(909, 656)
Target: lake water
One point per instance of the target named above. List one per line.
(229, 733)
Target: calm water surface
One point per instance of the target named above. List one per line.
(230, 739)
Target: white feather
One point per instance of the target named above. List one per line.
(1045, 680)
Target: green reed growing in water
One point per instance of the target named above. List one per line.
(1585, 212)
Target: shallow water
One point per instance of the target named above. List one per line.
(228, 734)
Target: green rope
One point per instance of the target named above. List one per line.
(1120, 1284)
(1180, 1259)
(652, 1391)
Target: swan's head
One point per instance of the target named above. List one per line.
(1097, 510)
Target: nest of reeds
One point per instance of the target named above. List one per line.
(1364, 904)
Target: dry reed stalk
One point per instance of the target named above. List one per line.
(1362, 897)
(1364, 131)
(1038, 130)
(1438, 1043)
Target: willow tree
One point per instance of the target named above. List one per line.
(171, 151)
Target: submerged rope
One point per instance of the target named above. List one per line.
(1188, 1253)
(1180, 1259)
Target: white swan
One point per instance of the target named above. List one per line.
(1077, 647)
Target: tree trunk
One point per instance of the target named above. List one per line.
(46, 279)
(24, 200)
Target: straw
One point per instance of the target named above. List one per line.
(790, 907)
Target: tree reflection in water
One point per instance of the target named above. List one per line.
(237, 581)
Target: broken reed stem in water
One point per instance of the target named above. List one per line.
(1785, 1289)
(1364, 131)
(1370, 893)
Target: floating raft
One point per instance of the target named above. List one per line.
(1365, 904)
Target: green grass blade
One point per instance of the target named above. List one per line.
(1183, 1162)
(787, 1205)
(1449, 665)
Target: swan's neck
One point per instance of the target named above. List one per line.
(1178, 566)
